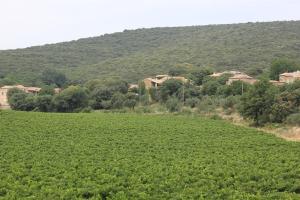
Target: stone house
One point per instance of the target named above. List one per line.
(4, 90)
(277, 83)
(241, 77)
(289, 77)
(160, 79)
(219, 74)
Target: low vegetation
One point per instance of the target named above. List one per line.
(130, 156)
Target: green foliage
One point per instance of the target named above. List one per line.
(129, 156)
(16, 99)
(47, 90)
(43, 103)
(100, 96)
(257, 103)
(280, 66)
(177, 72)
(207, 105)
(230, 102)
(135, 54)
(235, 88)
(53, 77)
(131, 100)
(210, 87)
(198, 76)
(173, 104)
(118, 100)
(170, 88)
(293, 119)
(192, 102)
(71, 99)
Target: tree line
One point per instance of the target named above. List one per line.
(261, 102)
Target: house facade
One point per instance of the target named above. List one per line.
(4, 90)
(160, 79)
(289, 77)
(219, 74)
(241, 77)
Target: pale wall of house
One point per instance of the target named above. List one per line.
(3, 98)
(288, 79)
(148, 83)
(249, 81)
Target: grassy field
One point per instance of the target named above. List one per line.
(130, 156)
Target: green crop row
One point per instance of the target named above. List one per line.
(131, 156)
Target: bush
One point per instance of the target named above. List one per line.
(117, 100)
(186, 111)
(293, 119)
(106, 104)
(230, 102)
(173, 104)
(215, 117)
(192, 102)
(71, 99)
(143, 109)
(207, 105)
(86, 110)
(44, 103)
(130, 103)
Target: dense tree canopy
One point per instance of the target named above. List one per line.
(133, 55)
(280, 66)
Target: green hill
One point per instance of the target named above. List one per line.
(135, 54)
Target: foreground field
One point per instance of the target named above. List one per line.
(127, 156)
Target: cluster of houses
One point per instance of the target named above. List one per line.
(234, 76)
(4, 90)
(284, 78)
(158, 80)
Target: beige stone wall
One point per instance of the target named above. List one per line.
(3, 98)
(249, 81)
(148, 83)
(288, 79)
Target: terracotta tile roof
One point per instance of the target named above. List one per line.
(13, 86)
(241, 76)
(33, 89)
(29, 89)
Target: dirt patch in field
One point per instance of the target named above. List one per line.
(290, 133)
(286, 132)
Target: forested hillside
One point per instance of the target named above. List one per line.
(135, 54)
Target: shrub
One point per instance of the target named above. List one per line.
(71, 99)
(293, 119)
(44, 103)
(192, 102)
(117, 100)
(207, 105)
(86, 110)
(230, 102)
(173, 104)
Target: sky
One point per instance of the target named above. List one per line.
(25, 23)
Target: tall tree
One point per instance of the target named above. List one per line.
(257, 103)
(280, 66)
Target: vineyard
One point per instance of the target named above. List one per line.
(131, 156)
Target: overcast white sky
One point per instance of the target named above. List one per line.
(26, 23)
